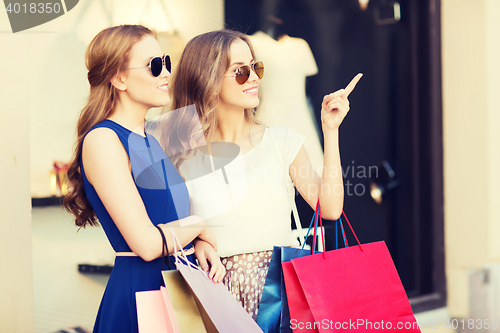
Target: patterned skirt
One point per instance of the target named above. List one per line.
(245, 278)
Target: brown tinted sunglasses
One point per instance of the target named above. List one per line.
(242, 73)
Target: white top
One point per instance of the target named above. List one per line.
(251, 211)
(282, 90)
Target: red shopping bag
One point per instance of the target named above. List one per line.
(354, 289)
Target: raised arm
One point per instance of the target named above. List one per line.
(329, 186)
(108, 169)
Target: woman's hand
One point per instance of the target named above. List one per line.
(336, 105)
(205, 254)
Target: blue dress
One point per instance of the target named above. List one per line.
(166, 199)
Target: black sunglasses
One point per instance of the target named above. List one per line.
(156, 65)
(242, 73)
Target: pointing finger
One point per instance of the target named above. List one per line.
(352, 84)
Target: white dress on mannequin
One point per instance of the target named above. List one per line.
(283, 101)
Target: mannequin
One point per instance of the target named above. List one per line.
(273, 27)
(287, 61)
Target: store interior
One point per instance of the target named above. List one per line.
(397, 128)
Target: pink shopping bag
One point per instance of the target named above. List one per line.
(155, 313)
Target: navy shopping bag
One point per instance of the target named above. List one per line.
(273, 315)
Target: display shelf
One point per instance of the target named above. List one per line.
(46, 201)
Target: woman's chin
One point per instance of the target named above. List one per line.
(162, 103)
(253, 105)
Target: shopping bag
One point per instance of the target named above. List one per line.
(352, 289)
(218, 309)
(189, 316)
(273, 315)
(297, 305)
(154, 312)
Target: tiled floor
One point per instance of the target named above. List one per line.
(63, 297)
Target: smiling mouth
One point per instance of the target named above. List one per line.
(164, 87)
(251, 91)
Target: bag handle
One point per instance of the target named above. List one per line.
(314, 220)
(346, 244)
(288, 180)
(359, 244)
(164, 247)
(183, 254)
(316, 216)
(318, 210)
(343, 233)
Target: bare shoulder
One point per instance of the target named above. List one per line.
(100, 134)
(101, 139)
(103, 152)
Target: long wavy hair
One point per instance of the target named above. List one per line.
(195, 88)
(107, 55)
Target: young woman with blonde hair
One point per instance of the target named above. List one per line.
(219, 74)
(121, 178)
